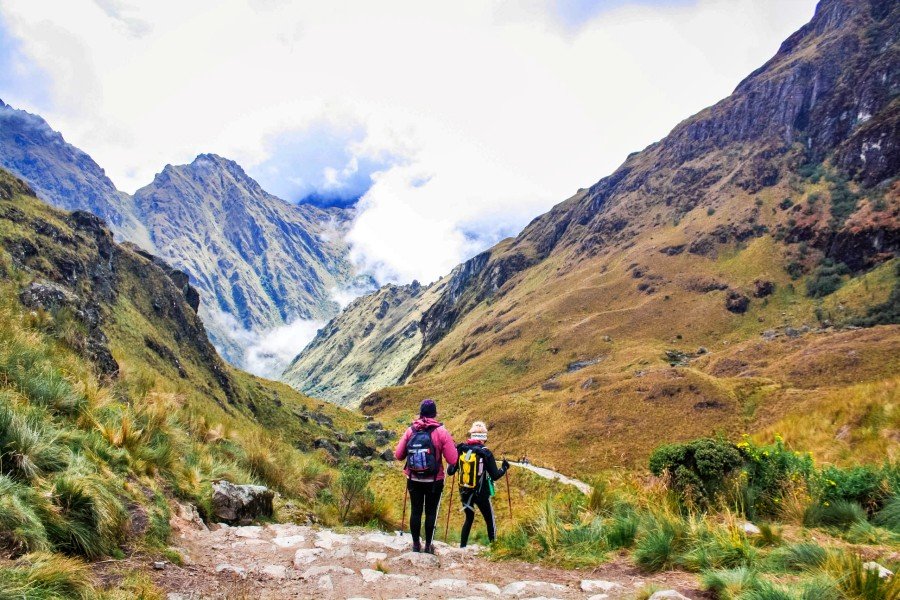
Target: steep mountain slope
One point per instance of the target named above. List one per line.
(704, 286)
(365, 348)
(252, 256)
(114, 405)
(64, 175)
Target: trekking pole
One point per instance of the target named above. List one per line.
(449, 506)
(508, 495)
(403, 518)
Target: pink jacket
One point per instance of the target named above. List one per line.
(444, 447)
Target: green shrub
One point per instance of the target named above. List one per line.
(731, 584)
(800, 556)
(767, 473)
(867, 485)
(837, 513)
(352, 488)
(826, 279)
(889, 516)
(697, 470)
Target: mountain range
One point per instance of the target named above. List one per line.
(737, 274)
(258, 262)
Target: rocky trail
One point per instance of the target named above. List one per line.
(554, 476)
(294, 561)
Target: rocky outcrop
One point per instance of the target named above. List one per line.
(241, 504)
(367, 347)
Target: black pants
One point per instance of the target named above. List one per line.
(424, 495)
(483, 501)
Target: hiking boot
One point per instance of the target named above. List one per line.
(417, 547)
(429, 549)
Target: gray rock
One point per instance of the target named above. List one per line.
(883, 572)
(418, 559)
(232, 570)
(668, 595)
(387, 455)
(241, 504)
(598, 585)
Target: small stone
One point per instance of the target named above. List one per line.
(490, 588)
(751, 529)
(518, 588)
(325, 583)
(883, 572)
(159, 565)
(598, 585)
(449, 584)
(232, 569)
(668, 595)
(289, 541)
(274, 571)
(250, 531)
(327, 539)
(312, 572)
(305, 556)
(375, 556)
(371, 575)
(408, 579)
(598, 597)
(418, 559)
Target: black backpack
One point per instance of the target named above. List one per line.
(421, 458)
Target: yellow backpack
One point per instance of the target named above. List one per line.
(470, 470)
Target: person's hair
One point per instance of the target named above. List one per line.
(428, 408)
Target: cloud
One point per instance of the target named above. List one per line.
(265, 352)
(456, 125)
(275, 348)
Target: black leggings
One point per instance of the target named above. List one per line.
(427, 495)
(483, 502)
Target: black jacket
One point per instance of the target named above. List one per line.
(487, 457)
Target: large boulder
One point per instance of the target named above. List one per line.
(241, 504)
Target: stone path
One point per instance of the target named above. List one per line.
(553, 475)
(292, 561)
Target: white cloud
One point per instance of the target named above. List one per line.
(268, 352)
(478, 116)
(275, 348)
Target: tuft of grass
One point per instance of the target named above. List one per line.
(21, 528)
(889, 516)
(660, 543)
(731, 584)
(801, 556)
(858, 583)
(44, 576)
(837, 513)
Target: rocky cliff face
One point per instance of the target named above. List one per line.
(62, 174)
(253, 256)
(365, 348)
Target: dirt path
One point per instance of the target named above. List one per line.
(292, 561)
(553, 475)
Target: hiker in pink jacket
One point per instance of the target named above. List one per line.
(425, 446)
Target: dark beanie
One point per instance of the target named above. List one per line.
(428, 408)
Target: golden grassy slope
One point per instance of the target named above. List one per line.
(507, 361)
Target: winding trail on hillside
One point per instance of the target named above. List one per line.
(302, 561)
(555, 476)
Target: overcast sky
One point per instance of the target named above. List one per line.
(457, 122)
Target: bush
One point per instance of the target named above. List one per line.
(352, 488)
(768, 472)
(867, 485)
(889, 516)
(837, 513)
(697, 470)
(801, 556)
(826, 279)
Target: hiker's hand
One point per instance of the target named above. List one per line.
(451, 469)
(505, 465)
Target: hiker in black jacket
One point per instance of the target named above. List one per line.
(476, 470)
